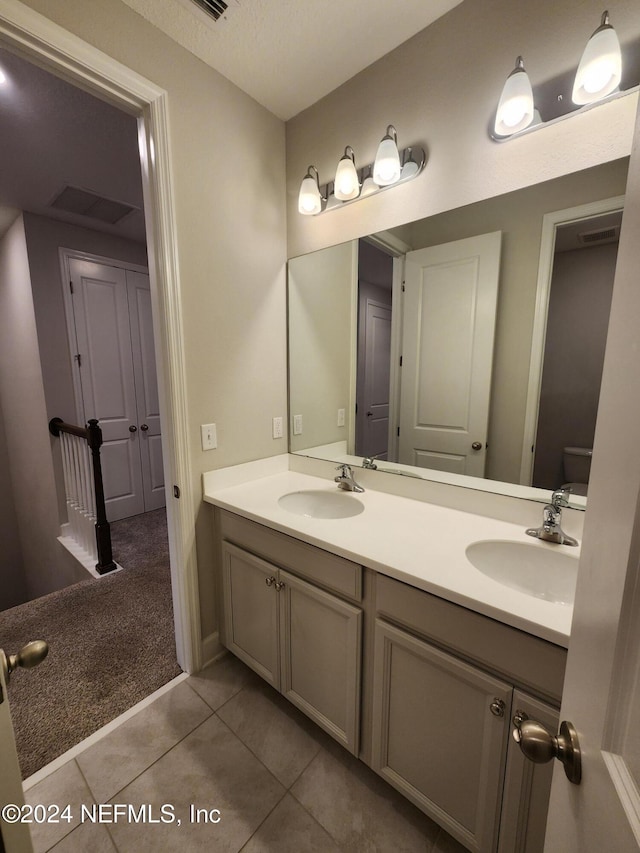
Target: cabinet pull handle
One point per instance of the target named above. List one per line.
(270, 582)
(519, 717)
(497, 707)
(279, 585)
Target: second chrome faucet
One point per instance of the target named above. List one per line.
(346, 481)
(550, 529)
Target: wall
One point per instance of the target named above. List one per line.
(13, 589)
(440, 90)
(47, 566)
(579, 307)
(320, 341)
(231, 245)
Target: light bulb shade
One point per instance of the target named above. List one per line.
(386, 168)
(600, 68)
(346, 184)
(515, 107)
(309, 199)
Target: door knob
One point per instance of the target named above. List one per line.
(133, 428)
(540, 746)
(477, 445)
(30, 655)
(144, 427)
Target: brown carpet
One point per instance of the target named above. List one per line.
(111, 643)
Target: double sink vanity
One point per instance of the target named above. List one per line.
(417, 628)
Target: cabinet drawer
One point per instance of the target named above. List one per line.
(323, 568)
(524, 659)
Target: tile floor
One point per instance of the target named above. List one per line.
(266, 777)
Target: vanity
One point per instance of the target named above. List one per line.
(367, 613)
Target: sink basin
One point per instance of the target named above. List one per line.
(320, 504)
(537, 571)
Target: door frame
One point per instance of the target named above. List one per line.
(550, 223)
(44, 43)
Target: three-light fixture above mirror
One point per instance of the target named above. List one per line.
(390, 167)
(597, 77)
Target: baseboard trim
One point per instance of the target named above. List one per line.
(212, 649)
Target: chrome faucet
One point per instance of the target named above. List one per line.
(550, 530)
(345, 479)
(369, 462)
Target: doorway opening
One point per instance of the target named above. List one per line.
(47, 45)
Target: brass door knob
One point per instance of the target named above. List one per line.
(30, 655)
(477, 445)
(540, 746)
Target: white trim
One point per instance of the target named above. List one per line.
(353, 366)
(79, 748)
(212, 649)
(83, 557)
(626, 789)
(41, 41)
(550, 223)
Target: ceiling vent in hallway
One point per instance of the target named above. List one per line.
(600, 235)
(91, 205)
(215, 8)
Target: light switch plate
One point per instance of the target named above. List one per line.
(209, 436)
(277, 428)
(297, 424)
(340, 417)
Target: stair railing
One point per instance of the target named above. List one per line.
(84, 489)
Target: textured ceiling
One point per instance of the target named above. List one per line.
(287, 54)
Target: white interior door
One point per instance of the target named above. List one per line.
(602, 685)
(14, 837)
(146, 383)
(374, 412)
(101, 312)
(449, 321)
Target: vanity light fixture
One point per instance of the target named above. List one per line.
(515, 107)
(391, 167)
(310, 198)
(600, 68)
(346, 185)
(386, 168)
(597, 78)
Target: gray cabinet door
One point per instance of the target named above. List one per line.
(251, 611)
(435, 737)
(320, 657)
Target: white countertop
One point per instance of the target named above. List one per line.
(419, 543)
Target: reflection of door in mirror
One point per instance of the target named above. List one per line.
(448, 333)
(576, 333)
(375, 275)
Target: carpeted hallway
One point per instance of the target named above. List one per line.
(111, 643)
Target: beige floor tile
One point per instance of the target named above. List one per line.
(223, 679)
(276, 732)
(87, 838)
(290, 829)
(64, 787)
(123, 754)
(211, 769)
(359, 809)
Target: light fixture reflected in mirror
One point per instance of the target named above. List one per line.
(346, 185)
(386, 168)
(515, 107)
(391, 167)
(600, 69)
(310, 198)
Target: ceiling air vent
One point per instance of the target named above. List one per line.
(600, 235)
(87, 203)
(215, 8)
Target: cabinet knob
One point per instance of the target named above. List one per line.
(270, 581)
(497, 707)
(279, 585)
